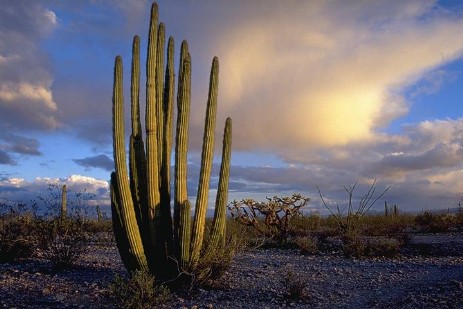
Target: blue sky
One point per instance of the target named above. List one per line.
(321, 94)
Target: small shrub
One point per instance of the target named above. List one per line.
(294, 286)
(307, 245)
(139, 291)
(349, 225)
(214, 264)
(17, 237)
(272, 218)
(372, 247)
(62, 241)
(436, 223)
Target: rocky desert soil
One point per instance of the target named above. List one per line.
(427, 274)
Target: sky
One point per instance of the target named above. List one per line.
(322, 94)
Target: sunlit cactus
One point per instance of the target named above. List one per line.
(147, 236)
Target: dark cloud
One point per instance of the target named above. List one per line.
(6, 159)
(100, 161)
(16, 144)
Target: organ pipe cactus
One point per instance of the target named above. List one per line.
(147, 236)
(63, 211)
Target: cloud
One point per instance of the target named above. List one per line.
(5, 158)
(26, 96)
(326, 74)
(82, 190)
(99, 161)
(15, 144)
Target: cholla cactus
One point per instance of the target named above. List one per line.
(147, 236)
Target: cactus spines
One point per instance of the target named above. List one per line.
(146, 235)
(63, 212)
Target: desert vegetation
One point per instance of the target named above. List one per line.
(72, 244)
(272, 253)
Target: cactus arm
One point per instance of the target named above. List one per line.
(181, 139)
(160, 118)
(150, 122)
(217, 236)
(137, 158)
(206, 164)
(184, 234)
(120, 236)
(167, 108)
(125, 196)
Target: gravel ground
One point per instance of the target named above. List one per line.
(255, 279)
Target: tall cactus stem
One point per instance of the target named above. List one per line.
(151, 128)
(206, 164)
(63, 211)
(167, 107)
(137, 158)
(125, 196)
(218, 231)
(184, 232)
(181, 138)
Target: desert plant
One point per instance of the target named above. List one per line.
(294, 286)
(307, 245)
(139, 291)
(435, 223)
(147, 236)
(276, 213)
(62, 241)
(348, 225)
(63, 211)
(17, 236)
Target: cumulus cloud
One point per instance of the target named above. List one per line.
(82, 191)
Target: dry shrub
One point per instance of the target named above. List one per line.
(139, 291)
(62, 241)
(307, 245)
(17, 237)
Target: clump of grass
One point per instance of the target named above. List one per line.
(138, 292)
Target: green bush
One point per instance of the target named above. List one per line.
(138, 292)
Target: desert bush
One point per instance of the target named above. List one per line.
(271, 218)
(372, 247)
(349, 225)
(307, 245)
(17, 230)
(294, 286)
(304, 224)
(17, 237)
(62, 241)
(139, 291)
(436, 223)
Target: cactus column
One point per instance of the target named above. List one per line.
(146, 234)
